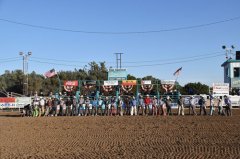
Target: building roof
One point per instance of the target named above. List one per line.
(230, 61)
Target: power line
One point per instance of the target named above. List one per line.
(52, 63)
(146, 61)
(129, 32)
(175, 59)
(72, 61)
(9, 61)
(9, 58)
(169, 63)
(196, 58)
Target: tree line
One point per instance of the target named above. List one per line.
(12, 81)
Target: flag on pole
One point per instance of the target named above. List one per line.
(50, 73)
(177, 72)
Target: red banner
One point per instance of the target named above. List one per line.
(71, 83)
(7, 100)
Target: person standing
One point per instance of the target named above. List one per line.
(180, 106)
(133, 106)
(154, 105)
(94, 106)
(212, 107)
(228, 108)
(87, 107)
(147, 102)
(68, 105)
(168, 105)
(80, 108)
(119, 106)
(140, 105)
(220, 106)
(100, 106)
(192, 106)
(202, 105)
(42, 105)
(74, 106)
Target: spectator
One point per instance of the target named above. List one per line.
(140, 105)
(228, 108)
(180, 106)
(192, 106)
(168, 102)
(81, 106)
(147, 102)
(133, 106)
(202, 105)
(154, 106)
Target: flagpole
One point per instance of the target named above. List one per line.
(59, 81)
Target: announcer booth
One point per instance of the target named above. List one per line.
(232, 72)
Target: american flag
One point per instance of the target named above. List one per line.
(50, 73)
(177, 72)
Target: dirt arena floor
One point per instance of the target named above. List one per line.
(120, 137)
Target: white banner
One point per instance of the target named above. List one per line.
(168, 82)
(111, 83)
(147, 82)
(22, 101)
(220, 89)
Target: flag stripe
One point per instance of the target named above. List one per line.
(50, 73)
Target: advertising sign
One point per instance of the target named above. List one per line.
(220, 89)
(170, 82)
(117, 74)
(235, 82)
(71, 83)
(129, 82)
(22, 101)
(111, 83)
(147, 82)
(8, 102)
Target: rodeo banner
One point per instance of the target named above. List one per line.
(70, 85)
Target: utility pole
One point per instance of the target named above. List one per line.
(119, 59)
(25, 71)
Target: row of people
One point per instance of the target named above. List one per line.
(120, 106)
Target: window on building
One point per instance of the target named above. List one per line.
(236, 71)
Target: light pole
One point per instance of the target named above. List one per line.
(228, 50)
(25, 71)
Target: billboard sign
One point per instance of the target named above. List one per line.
(117, 74)
(111, 83)
(220, 89)
(129, 82)
(8, 102)
(147, 82)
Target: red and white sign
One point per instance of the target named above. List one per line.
(71, 83)
(8, 102)
(220, 89)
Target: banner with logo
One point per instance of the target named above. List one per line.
(111, 83)
(7, 102)
(129, 82)
(70, 85)
(117, 74)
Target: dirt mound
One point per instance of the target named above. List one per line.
(121, 137)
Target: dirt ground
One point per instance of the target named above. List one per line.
(120, 137)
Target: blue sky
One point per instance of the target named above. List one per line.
(197, 44)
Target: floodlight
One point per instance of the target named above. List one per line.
(224, 47)
(21, 53)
